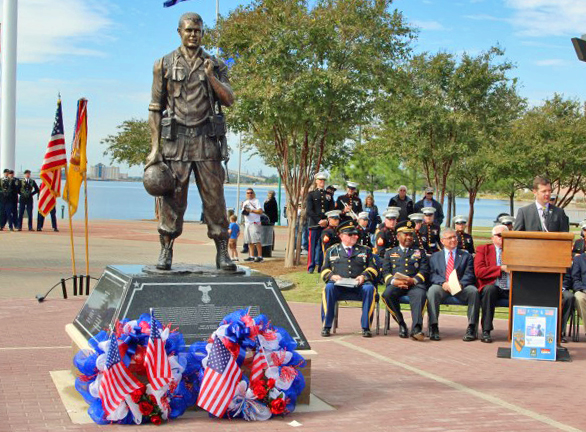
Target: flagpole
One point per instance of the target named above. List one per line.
(70, 226)
(87, 250)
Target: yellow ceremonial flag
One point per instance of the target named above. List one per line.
(76, 173)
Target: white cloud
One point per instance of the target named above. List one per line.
(429, 25)
(540, 18)
(48, 29)
(550, 62)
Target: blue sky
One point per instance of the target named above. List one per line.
(104, 51)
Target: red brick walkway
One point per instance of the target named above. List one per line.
(378, 384)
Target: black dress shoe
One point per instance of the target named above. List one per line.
(325, 332)
(403, 331)
(486, 337)
(434, 334)
(55, 229)
(469, 336)
(39, 229)
(366, 333)
(563, 339)
(310, 271)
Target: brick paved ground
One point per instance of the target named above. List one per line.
(378, 384)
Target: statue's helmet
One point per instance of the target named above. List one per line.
(158, 180)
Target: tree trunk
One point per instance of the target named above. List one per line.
(449, 212)
(471, 201)
(512, 202)
(292, 221)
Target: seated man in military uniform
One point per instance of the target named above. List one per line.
(385, 236)
(329, 236)
(348, 262)
(507, 221)
(465, 241)
(430, 231)
(578, 248)
(364, 235)
(417, 219)
(405, 270)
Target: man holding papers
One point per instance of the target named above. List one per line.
(405, 269)
(452, 273)
(348, 267)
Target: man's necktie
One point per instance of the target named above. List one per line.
(544, 214)
(502, 280)
(349, 252)
(450, 265)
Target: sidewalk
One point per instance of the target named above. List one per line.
(379, 384)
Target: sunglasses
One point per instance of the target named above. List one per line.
(497, 235)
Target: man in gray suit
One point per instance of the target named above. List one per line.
(541, 215)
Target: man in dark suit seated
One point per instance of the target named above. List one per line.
(441, 265)
(541, 215)
(493, 278)
(412, 265)
(579, 285)
(348, 262)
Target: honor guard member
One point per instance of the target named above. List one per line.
(329, 236)
(330, 190)
(319, 202)
(28, 189)
(349, 204)
(385, 236)
(343, 261)
(465, 241)
(578, 248)
(405, 270)
(364, 234)
(417, 219)
(10, 199)
(430, 231)
(507, 221)
(3, 198)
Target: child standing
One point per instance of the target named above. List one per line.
(234, 231)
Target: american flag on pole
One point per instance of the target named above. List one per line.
(259, 364)
(55, 159)
(156, 360)
(117, 381)
(221, 376)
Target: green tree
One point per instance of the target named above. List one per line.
(131, 145)
(305, 77)
(446, 108)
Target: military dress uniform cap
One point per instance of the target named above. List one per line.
(352, 185)
(507, 220)
(391, 214)
(348, 227)
(405, 227)
(394, 209)
(333, 214)
(460, 219)
(583, 224)
(6, 170)
(363, 215)
(553, 196)
(332, 188)
(429, 190)
(428, 210)
(321, 176)
(416, 217)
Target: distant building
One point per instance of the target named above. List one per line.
(103, 172)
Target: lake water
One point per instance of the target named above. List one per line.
(129, 200)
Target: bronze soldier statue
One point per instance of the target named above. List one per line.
(188, 134)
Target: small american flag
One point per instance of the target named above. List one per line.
(55, 159)
(156, 360)
(259, 364)
(221, 376)
(117, 381)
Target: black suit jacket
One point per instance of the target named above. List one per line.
(463, 264)
(528, 219)
(579, 273)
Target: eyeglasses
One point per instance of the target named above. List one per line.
(497, 235)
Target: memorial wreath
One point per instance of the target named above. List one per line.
(142, 372)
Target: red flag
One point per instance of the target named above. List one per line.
(55, 159)
(259, 364)
(156, 360)
(220, 378)
(117, 381)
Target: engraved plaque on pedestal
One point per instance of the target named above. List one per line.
(195, 303)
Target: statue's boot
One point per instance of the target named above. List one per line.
(166, 255)
(223, 261)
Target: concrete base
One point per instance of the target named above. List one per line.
(76, 407)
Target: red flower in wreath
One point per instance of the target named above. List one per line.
(270, 383)
(278, 406)
(259, 389)
(136, 395)
(145, 408)
(156, 420)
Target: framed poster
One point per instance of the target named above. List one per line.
(534, 333)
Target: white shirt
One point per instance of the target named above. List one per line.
(252, 204)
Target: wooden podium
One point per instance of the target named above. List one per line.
(537, 262)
